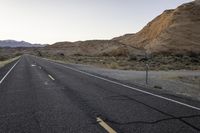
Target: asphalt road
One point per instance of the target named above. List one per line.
(41, 96)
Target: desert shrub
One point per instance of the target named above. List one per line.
(157, 87)
(186, 58)
(119, 52)
(132, 57)
(18, 54)
(105, 54)
(164, 53)
(113, 65)
(39, 53)
(178, 55)
(2, 58)
(193, 54)
(79, 59)
(195, 60)
(61, 54)
(77, 54)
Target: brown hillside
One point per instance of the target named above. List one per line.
(175, 31)
(92, 48)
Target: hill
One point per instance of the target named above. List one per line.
(174, 31)
(92, 48)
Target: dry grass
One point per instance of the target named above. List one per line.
(159, 62)
(3, 63)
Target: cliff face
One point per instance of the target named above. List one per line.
(175, 31)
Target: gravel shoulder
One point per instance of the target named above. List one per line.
(179, 82)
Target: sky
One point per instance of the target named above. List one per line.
(50, 21)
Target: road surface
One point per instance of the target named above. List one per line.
(41, 96)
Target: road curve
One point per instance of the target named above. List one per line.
(41, 96)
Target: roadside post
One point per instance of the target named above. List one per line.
(147, 68)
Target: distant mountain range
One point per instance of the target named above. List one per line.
(14, 44)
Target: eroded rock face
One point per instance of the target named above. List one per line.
(197, 2)
(174, 31)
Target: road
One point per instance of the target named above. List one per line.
(41, 96)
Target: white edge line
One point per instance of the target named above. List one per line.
(51, 77)
(114, 82)
(9, 71)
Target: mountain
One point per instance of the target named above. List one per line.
(174, 31)
(14, 44)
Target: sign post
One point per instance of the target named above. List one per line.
(147, 68)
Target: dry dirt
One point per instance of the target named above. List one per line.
(174, 31)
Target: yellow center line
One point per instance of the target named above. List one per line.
(51, 77)
(105, 126)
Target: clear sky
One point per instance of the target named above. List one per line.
(49, 21)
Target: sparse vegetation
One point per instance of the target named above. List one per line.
(156, 62)
(3, 58)
(157, 87)
(18, 54)
(113, 65)
(9, 53)
(3, 63)
(132, 57)
(132, 61)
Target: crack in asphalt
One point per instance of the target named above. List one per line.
(172, 117)
(151, 122)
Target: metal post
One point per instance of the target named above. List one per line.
(147, 73)
(147, 67)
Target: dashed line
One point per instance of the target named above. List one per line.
(105, 126)
(33, 65)
(51, 77)
(9, 71)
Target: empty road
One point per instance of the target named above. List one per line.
(41, 96)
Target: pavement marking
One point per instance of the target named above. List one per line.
(9, 71)
(105, 126)
(33, 65)
(132, 88)
(51, 77)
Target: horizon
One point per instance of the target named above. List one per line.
(48, 22)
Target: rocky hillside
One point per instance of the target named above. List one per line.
(91, 48)
(174, 31)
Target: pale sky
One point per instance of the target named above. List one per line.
(50, 21)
